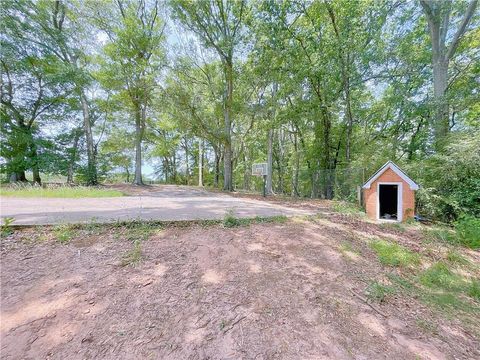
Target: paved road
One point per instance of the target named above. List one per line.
(168, 204)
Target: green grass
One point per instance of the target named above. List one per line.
(230, 221)
(439, 276)
(379, 292)
(454, 257)
(63, 233)
(59, 192)
(393, 254)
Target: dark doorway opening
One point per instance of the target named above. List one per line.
(388, 200)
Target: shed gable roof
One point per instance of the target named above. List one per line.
(390, 165)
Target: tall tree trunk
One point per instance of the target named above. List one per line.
(139, 129)
(438, 18)
(200, 162)
(268, 188)
(73, 157)
(217, 167)
(91, 155)
(227, 157)
(187, 167)
(128, 174)
(34, 159)
(296, 167)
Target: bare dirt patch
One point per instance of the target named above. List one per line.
(264, 291)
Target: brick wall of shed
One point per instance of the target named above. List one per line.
(408, 196)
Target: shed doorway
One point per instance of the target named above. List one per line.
(388, 202)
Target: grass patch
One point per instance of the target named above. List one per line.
(63, 233)
(230, 221)
(59, 192)
(133, 256)
(393, 254)
(379, 292)
(393, 226)
(138, 231)
(347, 208)
(454, 257)
(474, 290)
(441, 277)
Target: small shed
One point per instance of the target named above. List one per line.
(390, 194)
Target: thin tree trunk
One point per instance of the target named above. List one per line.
(227, 157)
(187, 167)
(139, 127)
(91, 156)
(217, 166)
(268, 188)
(200, 162)
(297, 166)
(73, 157)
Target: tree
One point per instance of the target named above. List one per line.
(134, 57)
(439, 14)
(218, 23)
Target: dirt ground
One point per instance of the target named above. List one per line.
(262, 291)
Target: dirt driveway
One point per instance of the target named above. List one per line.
(263, 291)
(165, 203)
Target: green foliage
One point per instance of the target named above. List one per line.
(468, 231)
(379, 292)
(450, 180)
(6, 228)
(393, 254)
(63, 233)
(58, 192)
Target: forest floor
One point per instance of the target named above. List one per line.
(330, 286)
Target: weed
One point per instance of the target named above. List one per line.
(5, 228)
(394, 255)
(393, 226)
(281, 219)
(378, 292)
(230, 221)
(63, 233)
(456, 258)
(441, 234)
(474, 289)
(133, 256)
(441, 277)
(140, 231)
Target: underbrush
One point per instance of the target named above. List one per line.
(58, 191)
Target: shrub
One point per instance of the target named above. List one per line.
(468, 231)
